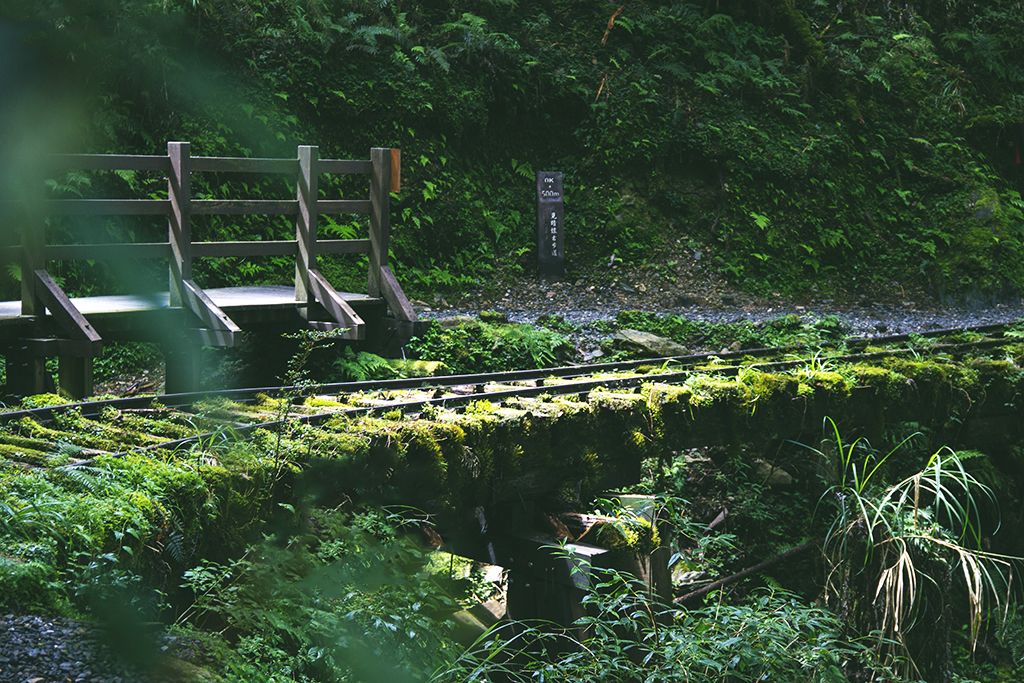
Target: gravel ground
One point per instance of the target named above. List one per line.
(703, 297)
(39, 650)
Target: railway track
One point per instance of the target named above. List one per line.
(180, 421)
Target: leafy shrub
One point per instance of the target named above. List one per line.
(482, 347)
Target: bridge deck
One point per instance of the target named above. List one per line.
(237, 300)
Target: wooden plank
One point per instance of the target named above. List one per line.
(213, 317)
(380, 227)
(396, 170)
(244, 165)
(107, 252)
(340, 206)
(323, 325)
(343, 246)
(336, 306)
(249, 248)
(70, 320)
(204, 337)
(108, 162)
(179, 224)
(72, 348)
(108, 207)
(349, 166)
(393, 294)
(277, 207)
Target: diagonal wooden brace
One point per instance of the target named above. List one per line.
(68, 318)
(393, 294)
(336, 306)
(226, 332)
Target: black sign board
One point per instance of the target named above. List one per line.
(550, 224)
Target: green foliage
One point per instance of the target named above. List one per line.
(125, 359)
(783, 331)
(477, 346)
(905, 542)
(361, 366)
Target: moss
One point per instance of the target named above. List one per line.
(832, 382)
(889, 385)
(325, 402)
(630, 536)
(43, 401)
(709, 390)
(20, 453)
(29, 427)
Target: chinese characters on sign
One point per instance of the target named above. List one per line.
(550, 227)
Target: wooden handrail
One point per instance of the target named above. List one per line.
(383, 168)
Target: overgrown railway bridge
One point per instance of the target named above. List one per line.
(493, 457)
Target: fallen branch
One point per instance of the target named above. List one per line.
(745, 573)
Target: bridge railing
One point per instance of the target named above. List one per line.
(39, 291)
(180, 206)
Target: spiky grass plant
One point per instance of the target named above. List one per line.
(904, 543)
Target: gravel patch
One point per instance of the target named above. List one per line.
(581, 303)
(38, 650)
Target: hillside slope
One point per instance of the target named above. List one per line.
(789, 143)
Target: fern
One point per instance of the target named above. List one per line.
(362, 366)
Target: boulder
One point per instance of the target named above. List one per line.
(453, 321)
(645, 344)
(773, 476)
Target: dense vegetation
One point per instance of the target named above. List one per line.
(845, 144)
(793, 144)
(300, 555)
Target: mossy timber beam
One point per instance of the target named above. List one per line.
(40, 293)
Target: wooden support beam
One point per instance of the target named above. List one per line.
(393, 294)
(74, 376)
(197, 301)
(181, 362)
(68, 318)
(74, 366)
(336, 306)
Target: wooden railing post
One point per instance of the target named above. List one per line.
(26, 372)
(305, 224)
(180, 222)
(380, 217)
(33, 241)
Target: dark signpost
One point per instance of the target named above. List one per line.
(550, 224)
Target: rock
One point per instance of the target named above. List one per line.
(646, 344)
(494, 317)
(773, 476)
(451, 322)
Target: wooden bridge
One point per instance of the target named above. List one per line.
(47, 323)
